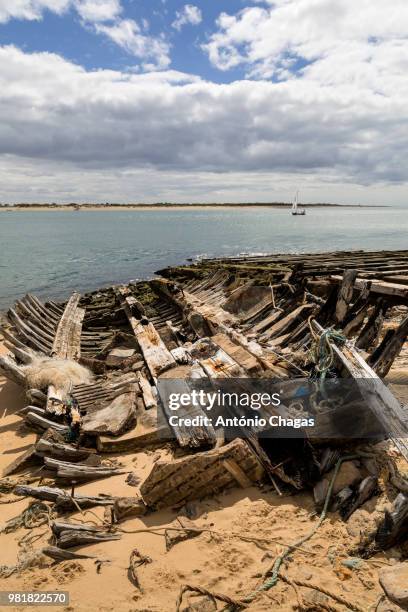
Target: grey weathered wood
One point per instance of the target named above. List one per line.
(382, 402)
(80, 537)
(394, 527)
(24, 460)
(38, 422)
(345, 295)
(57, 450)
(196, 476)
(80, 472)
(383, 358)
(372, 329)
(58, 554)
(186, 435)
(11, 370)
(44, 493)
(157, 356)
(379, 287)
(113, 419)
(62, 499)
(67, 341)
(128, 507)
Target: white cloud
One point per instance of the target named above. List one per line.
(98, 10)
(103, 17)
(127, 34)
(345, 34)
(189, 15)
(30, 9)
(89, 10)
(170, 124)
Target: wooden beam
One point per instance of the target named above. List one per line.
(345, 295)
(382, 402)
(379, 287)
(156, 355)
(67, 341)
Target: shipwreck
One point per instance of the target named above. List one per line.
(93, 366)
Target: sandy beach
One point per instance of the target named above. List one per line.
(227, 557)
(217, 561)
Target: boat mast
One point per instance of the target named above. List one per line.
(295, 202)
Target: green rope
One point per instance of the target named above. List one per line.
(272, 581)
(322, 350)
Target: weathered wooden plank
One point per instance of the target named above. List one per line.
(370, 332)
(345, 295)
(157, 356)
(40, 423)
(286, 323)
(176, 381)
(24, 460)
(382, 402)
(113, 419)
(80, 472)
(379, 287)
(67, 341)
(239, 354)
(11, 370)
(199, 475)
(383, 357)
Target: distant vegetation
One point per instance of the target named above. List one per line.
(162, 205)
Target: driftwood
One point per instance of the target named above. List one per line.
(383, 358)
(40, 423)
(68, 535)
(11, 370)
(61, 498)
(184, 530)
(58, 450)
(58, 554)
(366, 489)
(371, 330)
(26, 459)
(78, 471)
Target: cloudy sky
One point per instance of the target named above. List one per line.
(223, 100)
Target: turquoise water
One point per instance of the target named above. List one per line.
(52, 253)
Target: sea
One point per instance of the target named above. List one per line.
(52, 253)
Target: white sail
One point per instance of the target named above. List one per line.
(295, 209)
(295, 202)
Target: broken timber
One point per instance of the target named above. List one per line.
(158, 358)
(200, 475)
(383, 403)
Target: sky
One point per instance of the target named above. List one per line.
(216, 101)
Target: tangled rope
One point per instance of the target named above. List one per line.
(136, 560)
(35, 515)
(321, 351)
(232, 603)
(339, 598)
(272, 581)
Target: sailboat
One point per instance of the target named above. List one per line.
(295, 209)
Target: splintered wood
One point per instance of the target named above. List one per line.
(196, 476)
(247, 318)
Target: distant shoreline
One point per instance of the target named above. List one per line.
(198, 206)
